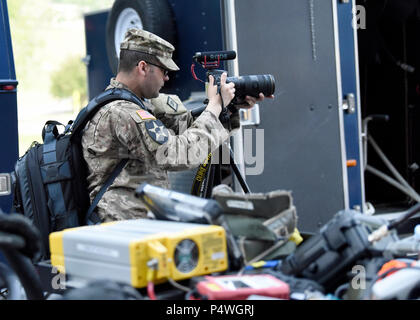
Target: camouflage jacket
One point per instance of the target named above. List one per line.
(154, 141)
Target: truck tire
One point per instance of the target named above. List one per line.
(155, 16)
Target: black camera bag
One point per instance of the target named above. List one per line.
(49, 181)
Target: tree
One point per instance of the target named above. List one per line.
(70, 81)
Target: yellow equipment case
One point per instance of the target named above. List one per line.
(138, 251)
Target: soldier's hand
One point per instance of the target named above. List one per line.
(227, 91)
(251, 101)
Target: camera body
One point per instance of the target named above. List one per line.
(248, 85)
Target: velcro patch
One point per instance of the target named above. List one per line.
(157, 131)
(144, 115)
(171, 103)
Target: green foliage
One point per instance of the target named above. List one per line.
(41, 30)
(24, 41)
(70, 79)
(13, 7)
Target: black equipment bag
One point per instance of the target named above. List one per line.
(49, 181)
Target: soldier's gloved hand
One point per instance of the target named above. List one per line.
(16, 224)
(251, 101)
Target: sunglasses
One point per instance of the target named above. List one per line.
(165, 72)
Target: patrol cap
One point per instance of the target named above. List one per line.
(149, 43)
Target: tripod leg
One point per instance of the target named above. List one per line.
(210, 181)
(214, 176)
(238, 174)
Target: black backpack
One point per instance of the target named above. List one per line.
(49, 181)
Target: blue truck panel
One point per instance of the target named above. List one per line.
(349, 84)
(8, 104)
(7, 67)
(99, 70)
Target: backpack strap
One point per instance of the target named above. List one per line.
(51, 125)
(78, 125)
(99, 101)
(91, 216)
(52, 173)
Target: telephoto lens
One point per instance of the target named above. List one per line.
(252, 85)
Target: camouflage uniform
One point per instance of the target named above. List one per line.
(122, 130)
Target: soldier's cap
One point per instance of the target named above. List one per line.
(149, 43)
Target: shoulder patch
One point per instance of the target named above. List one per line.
(144, 115)
(157, 131)
(172, 103)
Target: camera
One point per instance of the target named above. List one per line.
(248, 85)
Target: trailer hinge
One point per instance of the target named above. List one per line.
(349, 103)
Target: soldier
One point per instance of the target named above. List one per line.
(124, 130)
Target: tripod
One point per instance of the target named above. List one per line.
(209, 175)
